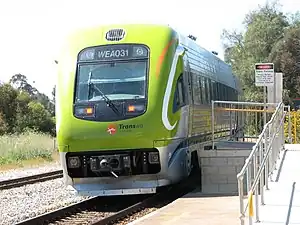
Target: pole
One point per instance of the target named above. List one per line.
(265, 105)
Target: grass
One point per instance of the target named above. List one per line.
(29, 147)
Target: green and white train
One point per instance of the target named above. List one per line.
(131, 102)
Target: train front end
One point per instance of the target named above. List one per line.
(110, 91)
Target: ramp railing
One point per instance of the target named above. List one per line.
(261, 163)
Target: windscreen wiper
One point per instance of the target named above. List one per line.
(106, 99)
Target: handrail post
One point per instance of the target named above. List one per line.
(241, 197)
(213, 123)
(267, 161)
(261, 182)
(290, 124)
(255, 169)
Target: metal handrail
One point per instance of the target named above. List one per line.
(267, 150)
(236, 103)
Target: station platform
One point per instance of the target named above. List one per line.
(282, 201)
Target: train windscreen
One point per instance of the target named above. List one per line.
(118, 72)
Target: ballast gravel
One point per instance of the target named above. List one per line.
(23, 172)
(21, 203)
(28, 201)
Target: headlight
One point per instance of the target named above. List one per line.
(135, 108)
(85, 111)
(74, 162)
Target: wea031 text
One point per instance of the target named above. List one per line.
(118, 53)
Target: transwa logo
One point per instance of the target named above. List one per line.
(112, 129)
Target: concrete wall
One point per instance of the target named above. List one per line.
(219, 169)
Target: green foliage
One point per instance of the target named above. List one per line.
(23, 107)
(28, 145)
(269, 36)
(295, 126)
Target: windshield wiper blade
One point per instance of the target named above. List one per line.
(106, 99)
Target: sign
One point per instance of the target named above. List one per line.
(113, 52)
(264, 74)
(113, 128)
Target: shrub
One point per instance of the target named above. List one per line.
(28, 145)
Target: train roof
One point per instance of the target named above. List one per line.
(208, 63)
(201, 60)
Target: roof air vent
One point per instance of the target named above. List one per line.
(115, 35)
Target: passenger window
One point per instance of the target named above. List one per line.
(179, 97)
(200, 90)
(203, 88)
(196, 90)
(208, 96)
(211, 88)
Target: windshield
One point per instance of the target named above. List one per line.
(116, 80)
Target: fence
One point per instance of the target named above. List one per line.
(292, 126)
(261, 162)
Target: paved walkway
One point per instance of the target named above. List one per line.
(194, 209)
(282, 202)
(283, 199)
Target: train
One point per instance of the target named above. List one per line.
(132, 102)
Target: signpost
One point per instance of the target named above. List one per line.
(264, 77)
(264, 74)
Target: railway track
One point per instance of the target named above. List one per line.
(7, 184)
(110, 210)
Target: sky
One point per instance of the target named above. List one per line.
(31, 31)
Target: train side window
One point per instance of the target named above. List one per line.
(214, 87)
(222, 92)
(208, 91)
(203, 88)
(196, 90)
(200, 89)
(211, 88)
(219, 91)
(179, 97)
(216, 91)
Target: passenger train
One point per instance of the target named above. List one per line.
(131, 102)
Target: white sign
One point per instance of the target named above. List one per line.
(264, 74)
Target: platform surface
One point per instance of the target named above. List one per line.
(194, 209)
(282, 202)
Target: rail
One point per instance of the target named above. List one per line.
(261, 163)
(243, 119)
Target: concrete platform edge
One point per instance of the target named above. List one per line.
(151, 214)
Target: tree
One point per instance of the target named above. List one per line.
(20, 82)
(53, 101)
(8, 105)
(3, 125)
(286, 57)
(265, 29)
(23, 106)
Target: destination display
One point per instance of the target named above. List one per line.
(113, 52)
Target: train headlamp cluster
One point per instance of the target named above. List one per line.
(85, 111)
(135, 109)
